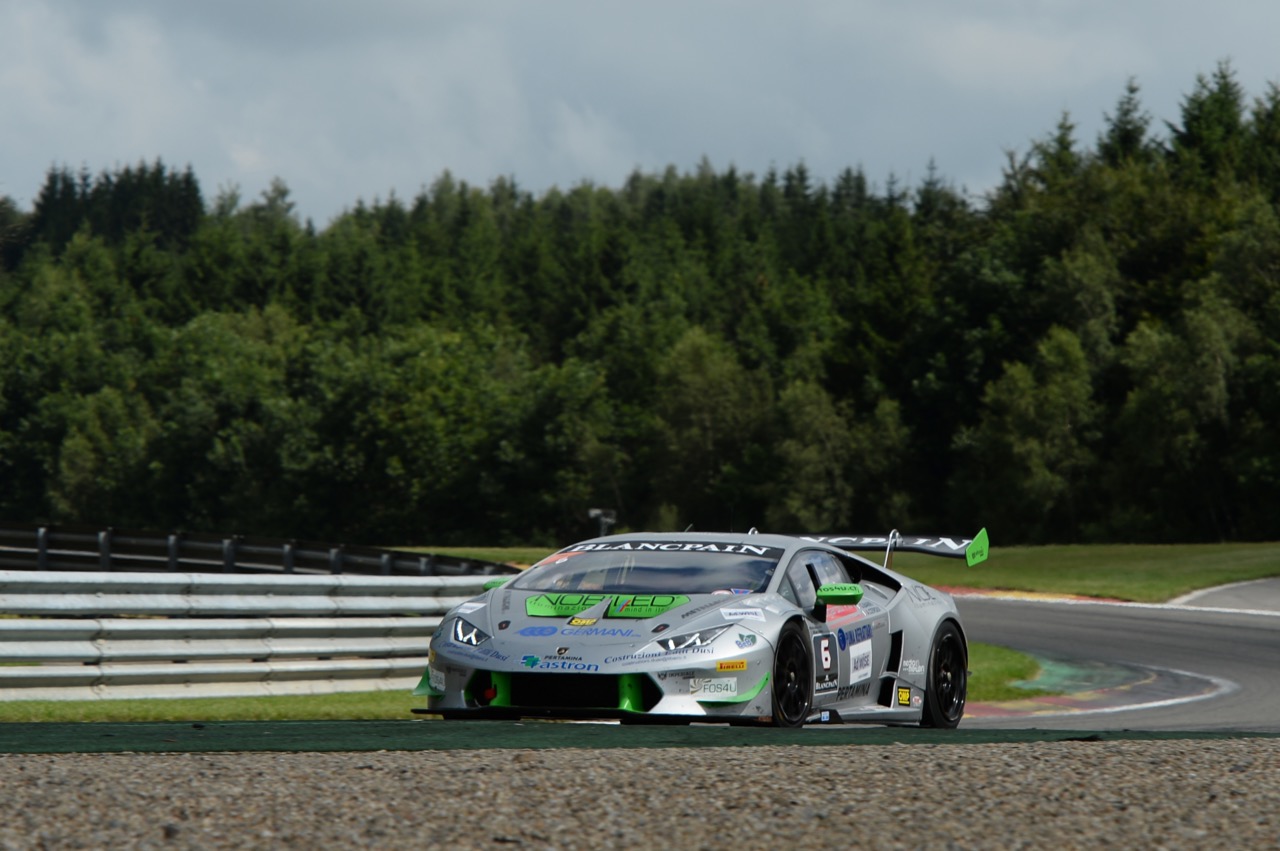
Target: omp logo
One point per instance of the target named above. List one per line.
(904, 697)
(582, 621)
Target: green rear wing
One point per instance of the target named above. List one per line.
(972, 550)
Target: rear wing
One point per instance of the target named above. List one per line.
(972, 550)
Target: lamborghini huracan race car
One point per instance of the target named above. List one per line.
(712, 627)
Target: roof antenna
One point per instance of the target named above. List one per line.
(689, 527)
(753, 531)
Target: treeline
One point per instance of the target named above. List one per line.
(1089, 352)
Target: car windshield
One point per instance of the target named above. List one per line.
(728, 569)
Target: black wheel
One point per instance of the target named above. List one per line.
(792, 677)
(948, 678)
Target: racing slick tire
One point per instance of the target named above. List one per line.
(948, 683)
(792, 677)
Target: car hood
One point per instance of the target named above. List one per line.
(518, 619)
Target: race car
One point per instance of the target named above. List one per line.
(737, 628)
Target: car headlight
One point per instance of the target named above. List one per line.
(465, 632)
(691, 639)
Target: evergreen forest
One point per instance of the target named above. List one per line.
(1089, 351)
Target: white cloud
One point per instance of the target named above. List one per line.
(347, 101)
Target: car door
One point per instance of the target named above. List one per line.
(848, 652)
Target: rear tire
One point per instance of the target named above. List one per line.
(792, 677)
(948, 682)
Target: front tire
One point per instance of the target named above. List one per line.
(792, 677)
(948, 683)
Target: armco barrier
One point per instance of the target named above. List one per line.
(37, 547)
(95, 634)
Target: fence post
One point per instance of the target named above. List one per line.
(42, 548)
(335, 560)
(104, 549)
(228, 555)
(173, 552)
(287, 557)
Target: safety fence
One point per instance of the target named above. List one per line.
(36, 547)
(73, 636)
(107, 613)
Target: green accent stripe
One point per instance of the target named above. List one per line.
(629, 692)
(424, 686)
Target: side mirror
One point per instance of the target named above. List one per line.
(840, 594)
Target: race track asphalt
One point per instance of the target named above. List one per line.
(1202, 663)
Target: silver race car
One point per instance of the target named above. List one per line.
(713, 627)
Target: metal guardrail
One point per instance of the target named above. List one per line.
(37, 547)
(94, 634)
(107, 613)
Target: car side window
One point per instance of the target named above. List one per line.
(798, 577)
(807, 565)
(828, 567)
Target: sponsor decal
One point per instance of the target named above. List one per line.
(853, 635)
(700, 609)
(917, 699)
(435, 679)
(582, 621)
(620, 605)
(845, 613)
(860, 690)
(742, 590)
(503, 624)
(859, 661)
(732, 665)
(904, 696)
(670, 547)
(922, 596)
(746, 639)
(713, 687)
(675, 675)
(943, 545)
(599, 632)
(564, 665)
(912, 666)
(662, 656)
(825, 717)
(738, 614)
(827, 678)
(538, 631)
(560, 651)
(548, 663)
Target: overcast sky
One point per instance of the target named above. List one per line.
(348, 101)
